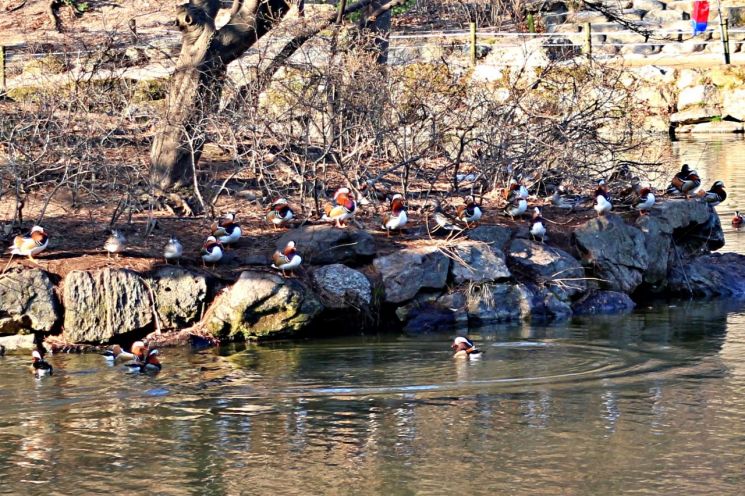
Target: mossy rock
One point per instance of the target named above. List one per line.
(150, 90)
(47, 65)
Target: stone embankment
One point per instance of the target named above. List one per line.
(492, 275)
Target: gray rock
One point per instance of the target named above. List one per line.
(713, 127)
(547, 266)
(262, 305)
(430, 312)
(492, 303)
(476, 261)
(710, 275)
(615, 250)
(648, 5)
(324, 244)
(496, 236)
(180, 296)
(604, 302)
(18, 342)
(695, 115)
(407, 271)
(666, 15)
(697, 96)
(105, 304)
(27, 302)
(548, 303)
(341, 287)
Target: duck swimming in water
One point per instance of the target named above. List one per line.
(39, 366)
(464, 348)
(117, 355)
(150, 364)
(738, 220)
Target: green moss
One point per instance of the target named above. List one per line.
(150, 90)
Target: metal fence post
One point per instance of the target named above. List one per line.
(473, 43)
(2, 68)
(724, 28)
(587, 49)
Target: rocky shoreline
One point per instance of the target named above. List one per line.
(487, 275)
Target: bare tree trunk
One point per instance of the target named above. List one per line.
(377, 18)
(198, 80)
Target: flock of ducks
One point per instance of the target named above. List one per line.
(140, 359)
(342, 209)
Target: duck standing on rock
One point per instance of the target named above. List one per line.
(227, 231)
(738, 220)
(686, 181)
(603, 204)
(39, 366)
(469, 212)
(287, 259)
(464, 348)
(396, 219)
(537, 229)
(279, 213)
(115, 243)
(715, 195)
(645, 202)
(30, 244)
(173, 250)
(342, 210)
(211, 251)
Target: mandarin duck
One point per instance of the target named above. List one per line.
(443, 222)
(149, 364)
(516, 207)
(30, 244)
(115, 243)
(287, 259)
(464, 348)
(715, 195)
(469, 212)
(603, 204)
(173, 250)
(558, 199)
(645, 202)
(117, 355)
(211, 251)
(342, 210)
(738, 220)
(686, 181)
(39, 366)
(537, 229)
(226, 231)
(279, 213)
(396, 219)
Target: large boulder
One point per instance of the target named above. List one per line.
(718, 274)
(492, 303)
(733, 103)
(672, 219)
(495, 236)
(432, 312)
(407, 271)
(476, 261)
(104, 304)
(18, 342)
(547, 266)
(180, 296)
(604, 302)
(616, 252)
(341, 287)
(325, 244)
(262, 305)
(697, 96)
(27, 302)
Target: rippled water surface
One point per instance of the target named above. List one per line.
(650, 403)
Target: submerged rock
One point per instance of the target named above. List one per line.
(105, 304)
(325, 244)
(476, 261)
(615, 250)
(718, 274)
(341, 287)
(405, 272)
(27, 302)
(261, 305)
(604, 302)
(180, 296)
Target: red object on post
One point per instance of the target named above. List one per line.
(699, 16)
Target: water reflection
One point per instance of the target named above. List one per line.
(584, 404)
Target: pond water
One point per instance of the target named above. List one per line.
(651, 403)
